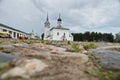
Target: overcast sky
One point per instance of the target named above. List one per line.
(77, 15)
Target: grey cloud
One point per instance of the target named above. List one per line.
(78, 15)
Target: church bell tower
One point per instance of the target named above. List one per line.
(46, 28)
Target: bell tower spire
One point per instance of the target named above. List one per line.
(46, 28)
(47, 18)
(47, 23)
(59, 15)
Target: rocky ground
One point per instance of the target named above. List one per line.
(39, 61)
(109, 57)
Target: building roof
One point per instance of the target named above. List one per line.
(59, 28)
(12, 28)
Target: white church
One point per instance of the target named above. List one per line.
(57, 33)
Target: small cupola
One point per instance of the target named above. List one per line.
(59, 19)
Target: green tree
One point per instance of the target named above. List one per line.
(42, 36)
(117, 37)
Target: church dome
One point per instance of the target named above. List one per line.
(59, 19)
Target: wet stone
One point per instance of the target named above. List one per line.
(107, 58)
(7, 57)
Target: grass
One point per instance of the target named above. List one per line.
(2, 40)
(48, 42)
(88, 46)
(14, 41)
(6, 51)
(75, 47)
(68, 43)
(27, 41)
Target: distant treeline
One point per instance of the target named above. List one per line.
(93, 36)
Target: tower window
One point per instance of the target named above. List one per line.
(58, 33)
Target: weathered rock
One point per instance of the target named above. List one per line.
(25, 69)
(23, 45)
(7, 57)
(108, 59)
(63, 65)
(50, 47)
(8, 46)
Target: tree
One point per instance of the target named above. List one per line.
(117, 37)
(87, 36)
(93, 36)
(42, 36)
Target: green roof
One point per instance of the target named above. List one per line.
(12, 28)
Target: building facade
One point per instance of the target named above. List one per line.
(57, 33)
(14, 33)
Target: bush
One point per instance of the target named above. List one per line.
(68, 43)
(88, 46)
(75, 47)
(48, 42)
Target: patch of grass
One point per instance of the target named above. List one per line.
(6, 51)
(48, 42)
(28, 41)
(88, 46)
(42, 41)
(2, 40)
(14, 41)
(68, 43)
(75, 47)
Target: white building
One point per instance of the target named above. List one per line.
(12, 31)
(57, 33)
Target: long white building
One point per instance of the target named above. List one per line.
(57, 33)
(12, 31)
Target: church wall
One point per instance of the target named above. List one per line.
(46, 32)
(59, 33)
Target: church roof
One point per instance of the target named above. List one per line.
(59, 28)
(5, 26)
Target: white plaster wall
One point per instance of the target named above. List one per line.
(46, 33)
(1, 29)
(61, 33)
